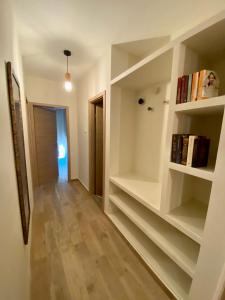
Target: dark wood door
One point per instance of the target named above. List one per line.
(99, 149)
(46, 144)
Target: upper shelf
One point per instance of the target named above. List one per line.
(212, 105)
(209, 43)
(153, 69)
(146, 192)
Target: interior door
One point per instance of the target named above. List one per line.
(99, 149)
(46, 144)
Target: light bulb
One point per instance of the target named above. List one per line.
(68, 84)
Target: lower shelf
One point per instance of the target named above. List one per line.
(181, 249)
(146, 192)
(177, 281)
(190, 219)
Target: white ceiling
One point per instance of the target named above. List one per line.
(88, 27)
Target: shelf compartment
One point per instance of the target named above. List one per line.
(205, 50)
(125, 55)
(151, 70)
(206, 106)
(181, 249)
(202, 124)
(190, 219)
(189, 198)
(176, 280)
(204, 173)
(146, 192)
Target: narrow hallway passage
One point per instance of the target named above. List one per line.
(78, 254)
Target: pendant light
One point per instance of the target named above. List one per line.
(67, 84)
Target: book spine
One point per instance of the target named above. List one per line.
(202, 75)
(189, 88)
(191, 143)
(184, 150)
(182, 89)
(186, 77)
(179, 90)
(201, 153)
(174, 147)
(179, 148)
(194, 89)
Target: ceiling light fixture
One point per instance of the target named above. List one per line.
(68, 83)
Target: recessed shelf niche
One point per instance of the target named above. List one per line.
(138, 130)
(206, 50)
(125, 55)
(203, 123)
(189, 200)
(177, 281)
(180, 248)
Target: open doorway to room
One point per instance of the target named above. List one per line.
(62, 144)
(97, 147)
(49, 143)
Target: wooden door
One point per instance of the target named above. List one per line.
(46, 144)
(99, 149)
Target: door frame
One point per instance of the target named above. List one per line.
(101, 97)
(31, 134)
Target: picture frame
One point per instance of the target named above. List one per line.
(19, 149)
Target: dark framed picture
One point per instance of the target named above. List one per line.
(19, 149)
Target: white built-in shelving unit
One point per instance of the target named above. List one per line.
(171, 214)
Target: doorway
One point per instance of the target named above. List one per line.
(97, 147)
(49, 143)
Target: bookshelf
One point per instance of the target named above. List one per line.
(176, 245)
(171, 214)
(170, 274)
(144, 191)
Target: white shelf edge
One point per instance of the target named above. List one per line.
(186, 268)
(193, 235)
(136, 197)
(204, 105)
(143, 62)
(203, 173)
(147, 261)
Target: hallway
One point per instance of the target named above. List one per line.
(78, 254)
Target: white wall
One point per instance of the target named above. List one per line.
(91, 84)
(46, 91)
(14, 258)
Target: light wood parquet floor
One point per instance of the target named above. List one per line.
(77, 254)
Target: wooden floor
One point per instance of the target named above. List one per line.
(78, 254)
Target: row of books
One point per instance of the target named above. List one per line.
(197, 86)
(190, 150)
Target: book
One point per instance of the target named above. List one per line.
(194, 88)
(177, 147)
(191, 144)
(184, 88)
(179, 83)
(174, 147)
(208, 85)
(189, 87)
(200, 152)
(185, 150)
